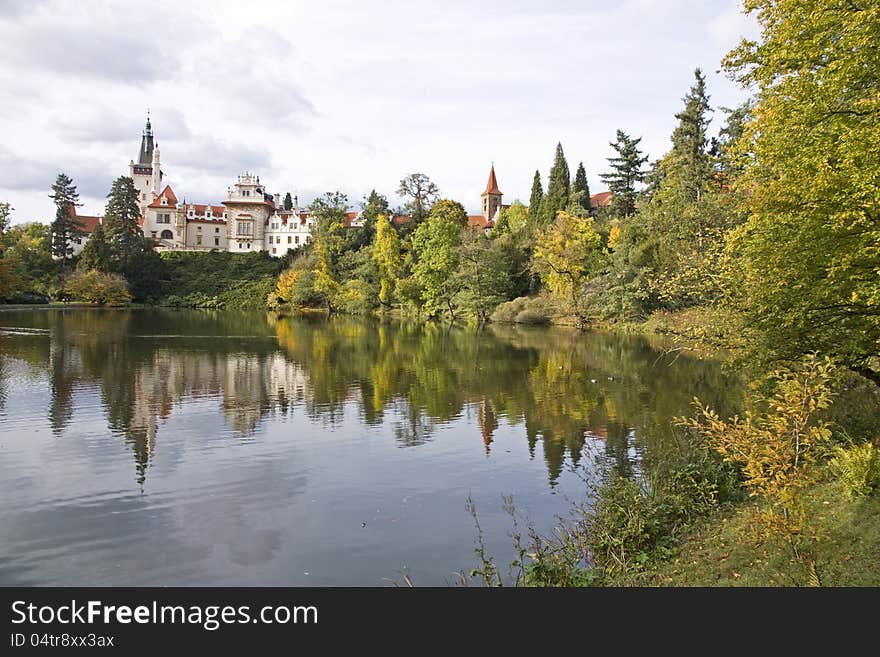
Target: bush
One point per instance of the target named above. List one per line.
(356, 298)
(524, 310)
(858, 468)
(93, 286)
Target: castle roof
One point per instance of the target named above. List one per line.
(168, 195)
(492, 184)
(479, 221)
(87, 222)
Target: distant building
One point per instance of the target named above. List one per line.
(249, 219)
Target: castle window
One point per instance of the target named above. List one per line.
(167, 235)
(143, 197)
(270, 239)
(216, 241)
(199, 240)
(153, 234)
(245, 227)
(164, 218)
(274, 250)
(216, 230)
(297, 239)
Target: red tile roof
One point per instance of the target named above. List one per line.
(400, 219)
(168, 194)
(479, 221)
(601, 200)
(349, 218)
(492, 184)
(86, 221)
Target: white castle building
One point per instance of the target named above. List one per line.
(250, 219)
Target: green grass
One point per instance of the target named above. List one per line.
(719, 551)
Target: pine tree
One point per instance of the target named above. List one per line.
(65, 228)
(288, 202)
(690, 156)
(626, 172)
(536, 197)
(96, 252)
(124, 236)
(557, 188)
(581, 188)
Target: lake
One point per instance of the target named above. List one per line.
(153, 447)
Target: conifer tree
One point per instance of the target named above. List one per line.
(536, 197)
(690, 156)
(288, 202)
(626, 172)
(581, 187)
(123, 235)
(65, 228)
(96, 252)
(557, 188)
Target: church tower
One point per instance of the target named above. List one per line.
(491, 197)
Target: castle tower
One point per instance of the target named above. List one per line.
(156, 181)
(141, 169)
(248, 212)
(491, 197)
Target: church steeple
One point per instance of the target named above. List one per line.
(491, 196)
(145, 157)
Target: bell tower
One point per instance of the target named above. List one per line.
(491, 197)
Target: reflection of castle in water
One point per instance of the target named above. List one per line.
(568, 395)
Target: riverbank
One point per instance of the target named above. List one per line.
(721, 550)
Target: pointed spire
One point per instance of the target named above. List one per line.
(492, 185)
(148, 129)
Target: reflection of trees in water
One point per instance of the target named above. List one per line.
(562, 388)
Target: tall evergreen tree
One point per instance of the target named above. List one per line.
(123, 234)
(96, 252)
(690, 155)
(557, 187)
(626, 172)
(65, 228)
(536, 197)
(581, 188)
(288, 202)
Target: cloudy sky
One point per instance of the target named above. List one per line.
(348, 95)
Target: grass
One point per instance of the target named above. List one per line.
(719, 550)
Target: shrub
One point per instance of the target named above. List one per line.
(858, 468)
(356, 297)
(524, 310)
(96, 287)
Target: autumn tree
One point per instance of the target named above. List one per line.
(387, 256)
(807, 257)
(328, 241)
(565, 252)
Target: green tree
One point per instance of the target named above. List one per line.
(5, 214)
(690, 156)
(483, 279)
(436, 250)
(123, 234)
(372, 206)
(388, 258)
(580, 188)
(514, 220)
(536, 197)
(65, 228)
(420, 193)
(556, 198)
(96, 253)
(626, 172)
(807, 259)
(565, 254)
(328, 244)
(288, 202)
(96, 287)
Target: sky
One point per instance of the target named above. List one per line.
(344, 95)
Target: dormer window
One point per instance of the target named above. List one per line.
(164, 200)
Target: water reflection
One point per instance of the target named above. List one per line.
(560, 389)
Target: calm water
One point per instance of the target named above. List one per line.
(192, 448)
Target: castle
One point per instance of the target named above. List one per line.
(250, 219)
